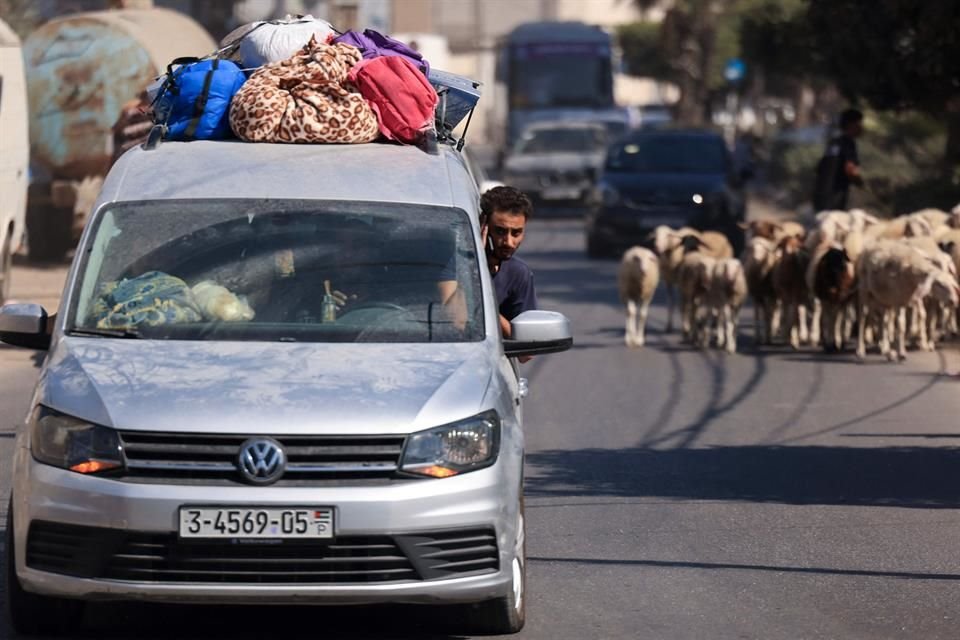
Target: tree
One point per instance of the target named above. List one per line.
(894, 54)
(687, 43)
(777, 43)
(642, 55)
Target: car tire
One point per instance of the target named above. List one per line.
(6, 267)
(31, 614)
(506, 615)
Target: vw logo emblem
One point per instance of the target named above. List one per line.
(262, 461)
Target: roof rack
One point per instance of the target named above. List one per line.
(458, 97)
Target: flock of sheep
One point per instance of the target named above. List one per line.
(892, 281)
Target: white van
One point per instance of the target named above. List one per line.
(14, 152)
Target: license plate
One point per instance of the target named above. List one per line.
(256, 522)
(560, 193)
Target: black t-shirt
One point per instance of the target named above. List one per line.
(514, 285)
(832, 184)
(842, 149)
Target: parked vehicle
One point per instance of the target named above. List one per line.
(14, 153)
(557, 162)
(254, 393)
(81, 69)
(556, 71)
(665, 177)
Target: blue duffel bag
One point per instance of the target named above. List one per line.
(194, 101)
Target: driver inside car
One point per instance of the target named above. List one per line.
(364, 267)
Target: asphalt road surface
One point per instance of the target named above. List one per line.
(677, 493)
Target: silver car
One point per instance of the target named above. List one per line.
(557, 162)
(276, 376)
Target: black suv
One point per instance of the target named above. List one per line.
(671, 177)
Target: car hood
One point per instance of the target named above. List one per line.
(672, 186)
(553, 161)
(255, 387)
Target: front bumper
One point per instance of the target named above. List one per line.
(47, 496)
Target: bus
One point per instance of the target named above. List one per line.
(557, 71)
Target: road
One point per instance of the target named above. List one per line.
(675, 493)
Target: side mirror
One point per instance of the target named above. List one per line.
(537, 333)
(24, 325)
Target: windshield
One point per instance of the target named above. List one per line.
(673, 154)
(288, 271)
(560, 141)
(542, 76)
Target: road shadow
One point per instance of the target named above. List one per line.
(912, 477)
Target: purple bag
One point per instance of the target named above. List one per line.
(373, 44)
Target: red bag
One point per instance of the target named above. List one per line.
(399, 94)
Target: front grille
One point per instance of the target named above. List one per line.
(113, 554)
(212, 458)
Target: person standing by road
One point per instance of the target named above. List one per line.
(504, 212)
(840, 165)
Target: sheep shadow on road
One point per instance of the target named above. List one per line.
(917, 477)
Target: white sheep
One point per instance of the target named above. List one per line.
(667, 246)
(670, 249)
(724, 297)
(892, 276)
(637, 279)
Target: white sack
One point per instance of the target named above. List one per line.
(280, 39)
(219, 303)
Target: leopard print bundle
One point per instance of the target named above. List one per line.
(305, 98)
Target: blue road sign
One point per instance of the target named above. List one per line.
(734, 70)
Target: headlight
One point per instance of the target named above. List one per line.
(61, 441)
(452, 449)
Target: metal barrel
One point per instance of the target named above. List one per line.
(82, 68)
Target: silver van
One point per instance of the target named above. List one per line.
(276, 376)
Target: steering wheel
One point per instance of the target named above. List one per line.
(393, 315)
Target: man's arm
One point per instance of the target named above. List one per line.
(851, 162)
(454, 303)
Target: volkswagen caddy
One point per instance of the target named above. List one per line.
(276, 376)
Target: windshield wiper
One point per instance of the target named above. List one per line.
(106, 333)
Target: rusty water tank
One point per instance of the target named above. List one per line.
(82, 68)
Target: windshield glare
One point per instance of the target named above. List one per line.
(560, 140)
(287, 271)
(673, 154)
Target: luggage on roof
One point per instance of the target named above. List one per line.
(304, 99)
(305, 95)
(194, 99)
(258, 43)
